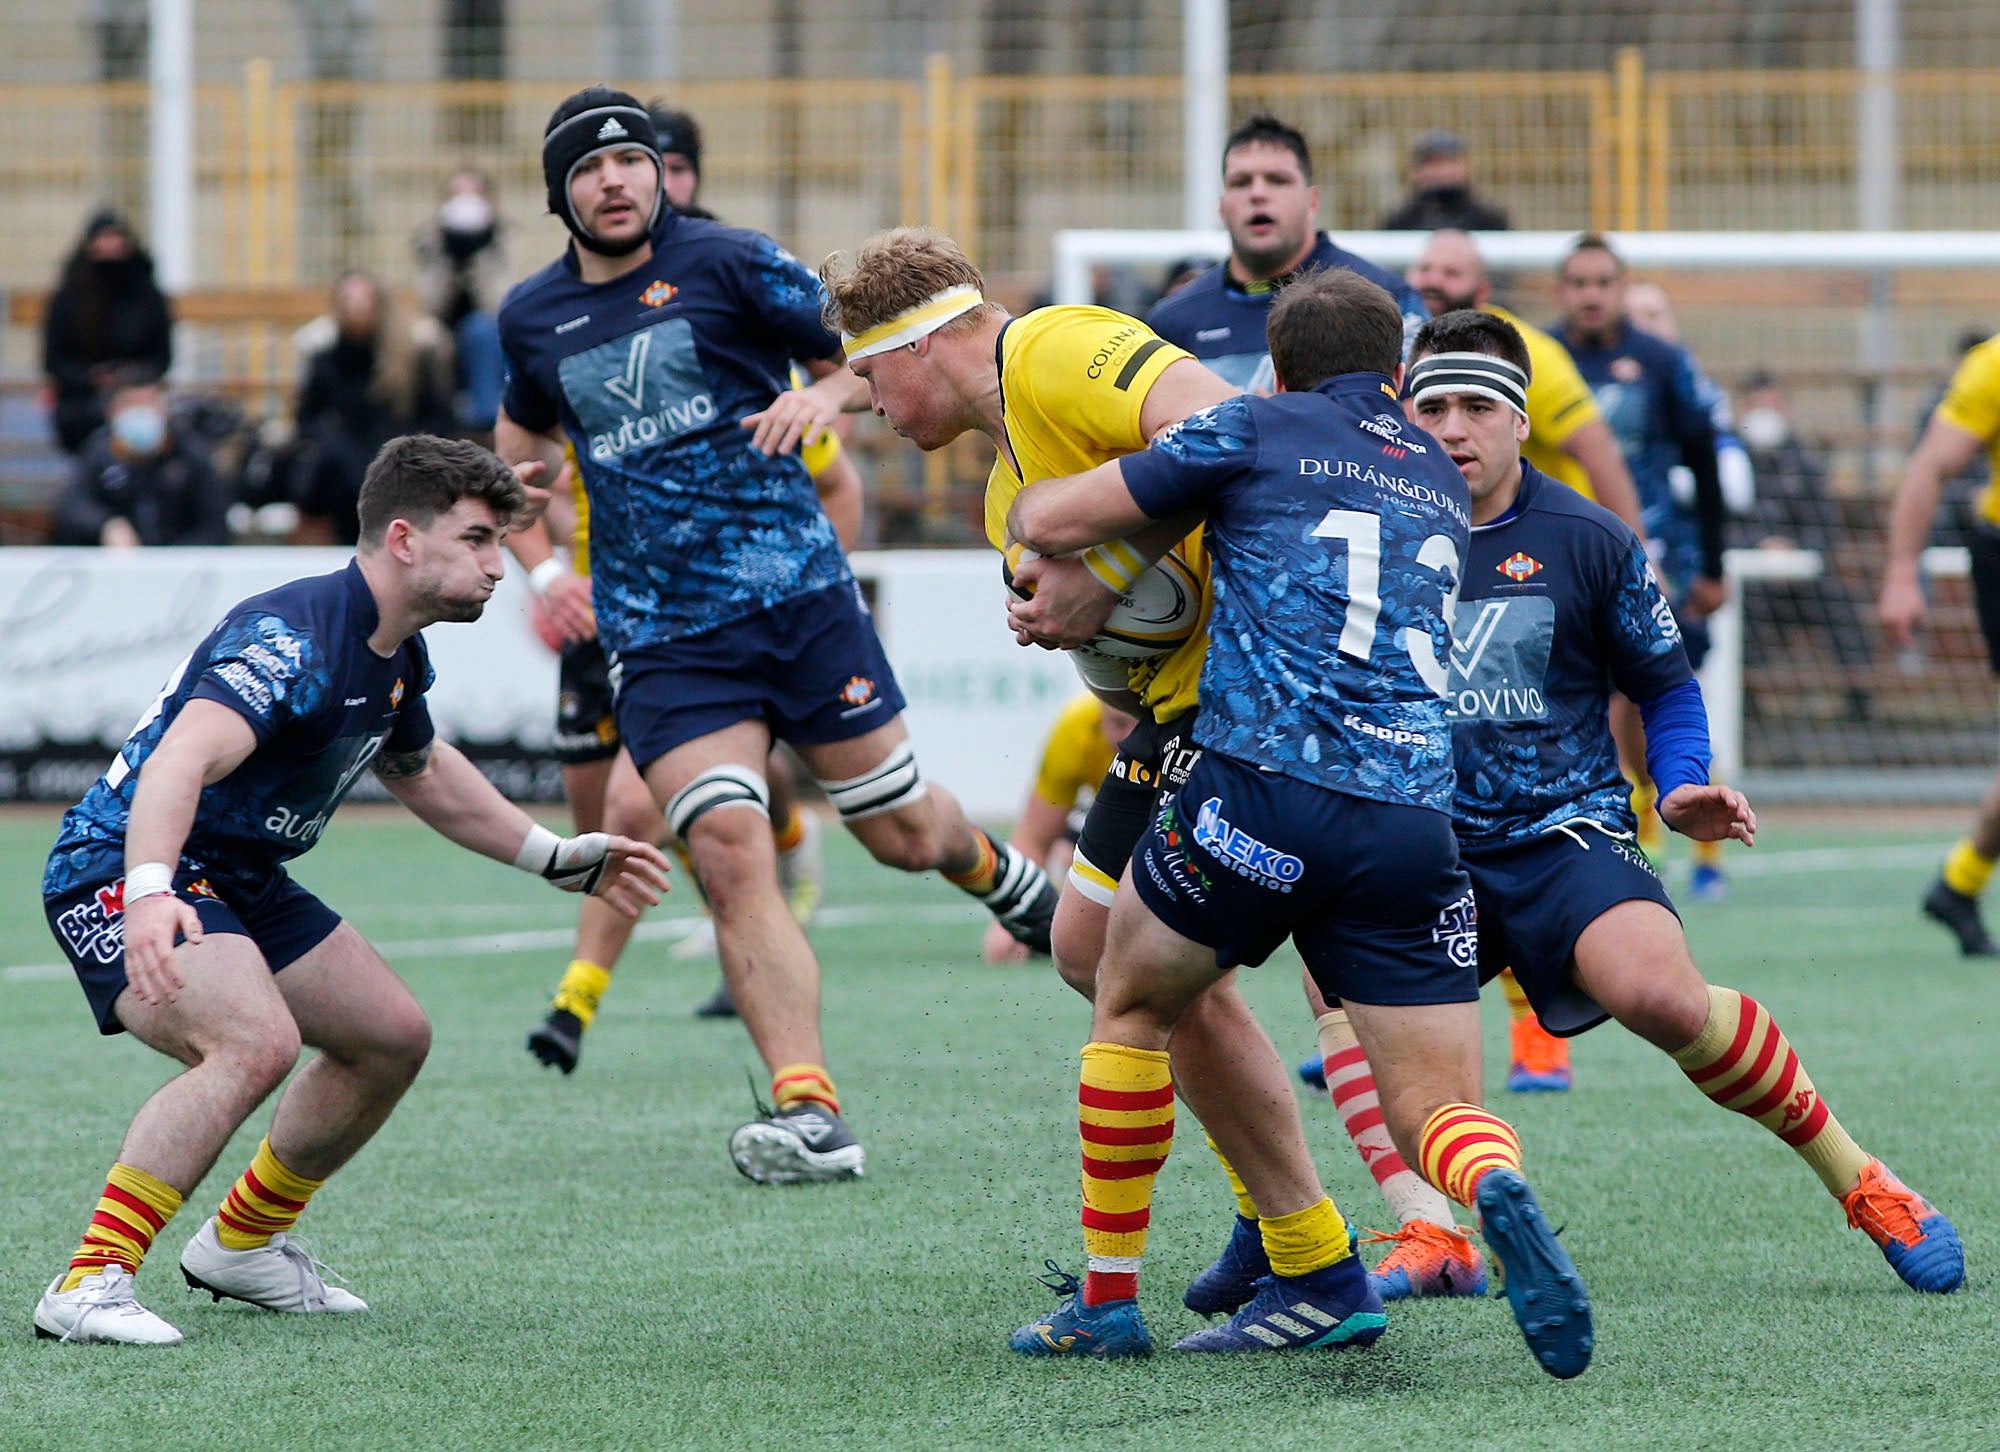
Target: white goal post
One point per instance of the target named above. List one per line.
(1078, 252)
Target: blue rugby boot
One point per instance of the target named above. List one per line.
(1915, 1239)
(1312, 1072)
(1336, 1307)
(1074, 1329)
(1231, 1278)
(1547, 1294)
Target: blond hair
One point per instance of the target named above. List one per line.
(893, 272)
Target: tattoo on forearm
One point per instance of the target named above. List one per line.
(396, 765)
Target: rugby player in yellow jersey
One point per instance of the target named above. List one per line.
(1058, 391)
(1077, 754)
(1965, 423)
(599, 779)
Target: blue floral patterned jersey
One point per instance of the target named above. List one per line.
(650, 375)
(1336, 532)
(1559, 607)
(295, 663)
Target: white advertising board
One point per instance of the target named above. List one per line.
(87, 637)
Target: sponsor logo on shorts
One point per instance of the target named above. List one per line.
(1632, 856)
(95, 927)
(1243, 854)
(1458, 929)
(1519, 566)
(1388, 427)
(1188, 880)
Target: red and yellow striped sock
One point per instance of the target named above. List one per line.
(1125, 1118)
(1350, 1083)
(1460, 1143)
(984, 875)
(1966, 870)
(1245, 1206)
(797, 1083)
(267, 1200)
(134, 1208)
(1744, 1062)
(1305, 1240)
(789, 833)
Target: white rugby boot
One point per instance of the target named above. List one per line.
(280, 1276)
(101, 1308)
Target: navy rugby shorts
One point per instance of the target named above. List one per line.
(284, 920)
(1536, 898)
(811, 667)
(1371, 892)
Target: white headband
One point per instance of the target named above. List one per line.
(908, 326)
(1480, 373)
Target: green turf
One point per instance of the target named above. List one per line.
(573, 1264)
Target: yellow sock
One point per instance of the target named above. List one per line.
(796, 1083)
(1305, 1240)
(1708, 853)
(1245, 1206)
(582, 988)
(267, 1200)
(1965, 871)
(134, 1208)
(1517, 997)
(789, 833)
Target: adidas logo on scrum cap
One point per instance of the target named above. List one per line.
(610, 129)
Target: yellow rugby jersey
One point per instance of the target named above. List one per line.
(1972, 403)
(1072, 383)
(1559, 403)
(1076, 755)
(817, 457)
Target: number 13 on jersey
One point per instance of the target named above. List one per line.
(1438, 553)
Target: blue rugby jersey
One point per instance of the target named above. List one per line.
(1649, 393)
(1335, 538)
(1558, 607)
(650, 376)
(1221, 322)
(295, 663)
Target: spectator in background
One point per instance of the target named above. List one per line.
(462, 273)
(140, 480)
(1441, 192)
(105, 311)
(370, 374)
(1649, 309)
(1794, 510)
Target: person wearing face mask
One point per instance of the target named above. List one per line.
(106, 310)
(139, 480)
(462, 273)
(1441, 192)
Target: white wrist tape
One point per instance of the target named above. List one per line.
(149, 879)
(544, 574)
(538, 850)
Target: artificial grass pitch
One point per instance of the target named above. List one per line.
(572, 1263)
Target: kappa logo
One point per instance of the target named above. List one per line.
(629, 387)
(1798, 1108)
(1210, 335)
(611, 130)
(1519, 566)
(658, 295)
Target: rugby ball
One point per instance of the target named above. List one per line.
(1156, 616)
